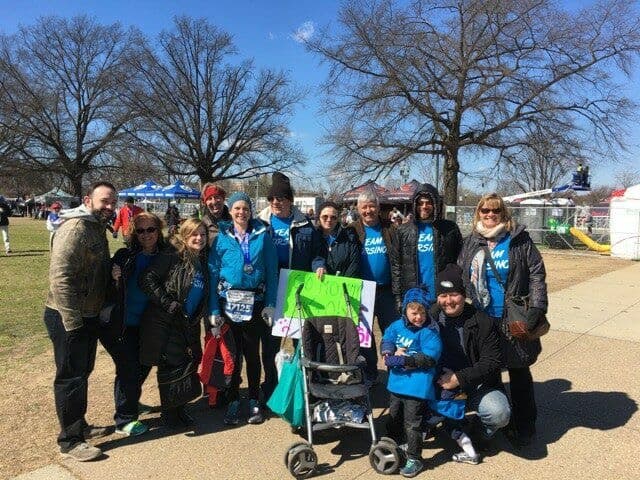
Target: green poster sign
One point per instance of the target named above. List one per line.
(324, 297)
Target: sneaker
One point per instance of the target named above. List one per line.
(93, 431)
(185, 417)
(231, 416)
(255, 412)
(83, 452)
(144, 409)
(132, 429)
(464, 457)
(411, 468)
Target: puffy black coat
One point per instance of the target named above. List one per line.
(527, 277)
(447, 242)
(345, 253)
(5, 211)
(482, 346)
(165, 338)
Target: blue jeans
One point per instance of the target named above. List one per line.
(124, 348)
(493, 409)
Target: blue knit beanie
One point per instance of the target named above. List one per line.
(237, 196)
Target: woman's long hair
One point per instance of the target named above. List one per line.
(493, 200)
(179, 240)
(135, 223)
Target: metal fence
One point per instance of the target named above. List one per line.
(548, 225)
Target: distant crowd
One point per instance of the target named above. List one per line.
(440, 304)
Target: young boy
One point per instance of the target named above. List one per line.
(411, 351)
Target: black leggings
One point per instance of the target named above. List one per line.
(247, 338)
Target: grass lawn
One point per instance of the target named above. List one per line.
(23, 289)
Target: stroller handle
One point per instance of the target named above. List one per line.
(329, 367)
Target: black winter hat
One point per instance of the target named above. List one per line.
(449, 280)
(280, 186)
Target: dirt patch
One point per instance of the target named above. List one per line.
(28, 424)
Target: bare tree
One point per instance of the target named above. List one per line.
(627, 177)
(205, 117)
(60, 85)
(439, 76)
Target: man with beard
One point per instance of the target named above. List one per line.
(78, 276)
(215, 210)
(423, 247)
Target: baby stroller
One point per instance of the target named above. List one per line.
(334, 371)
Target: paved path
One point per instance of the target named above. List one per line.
(587, 385)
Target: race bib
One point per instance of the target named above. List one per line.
(239, 305)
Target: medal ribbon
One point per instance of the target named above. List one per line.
(243, 240)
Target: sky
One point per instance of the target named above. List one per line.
(267, 31)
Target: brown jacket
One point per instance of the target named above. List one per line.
(79, 268)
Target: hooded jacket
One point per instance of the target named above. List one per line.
(344, 254)
(306, 245)
(414, 382)
(79, 268)
(447, 242)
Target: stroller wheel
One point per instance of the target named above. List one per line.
(291, 448)
(302, 461)
(384, 456)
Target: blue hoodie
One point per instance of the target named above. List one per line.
(413, 382)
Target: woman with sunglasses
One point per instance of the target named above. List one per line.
(177, 285)
(343, 249)
(500, 261)
(120, 334)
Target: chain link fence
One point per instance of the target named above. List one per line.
(548, 225)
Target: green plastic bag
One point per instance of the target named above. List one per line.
(287, 399)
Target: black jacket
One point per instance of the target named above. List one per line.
(165, 338)
(527, 277)
(5, 211)
(344, 254)
(447, 242)
(482, 346)
(211, 223)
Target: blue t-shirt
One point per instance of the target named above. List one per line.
(427, 268)
(136, 299)
(196, 293)
(280, 235)
(500, 255)
(375, 261)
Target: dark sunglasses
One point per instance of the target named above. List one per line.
(328, 217)
(140, 231)
(280, 199)
(490, 210)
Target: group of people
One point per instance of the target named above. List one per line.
(147, 305)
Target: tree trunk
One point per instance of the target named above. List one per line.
(450, 177)
(76, 185)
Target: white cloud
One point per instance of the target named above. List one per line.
(272, 36)
(304, 32)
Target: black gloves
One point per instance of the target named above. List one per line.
(534, 316)
(417, 360)
(422, 361)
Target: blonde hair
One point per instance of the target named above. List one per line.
(493, 200)
(135, 222)
(418, 306)
(179, 240)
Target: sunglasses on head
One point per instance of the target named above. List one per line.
(490, 210)
(140, 231)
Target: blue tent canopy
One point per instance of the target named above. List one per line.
(146, 189)
(177, 190)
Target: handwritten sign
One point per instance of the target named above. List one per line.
(323, 298)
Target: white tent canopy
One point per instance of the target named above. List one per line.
(53, 195)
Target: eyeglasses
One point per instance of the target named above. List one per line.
(140, 231)
(280, 199)
(328, 217)
(490, 210)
